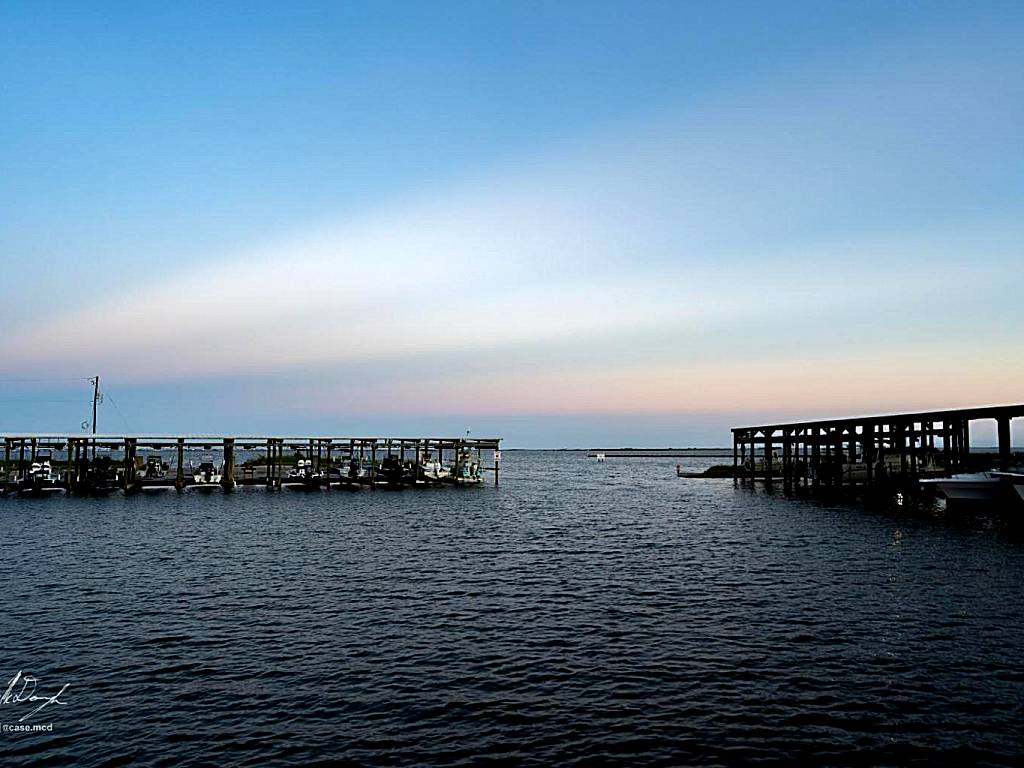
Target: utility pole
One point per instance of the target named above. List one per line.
(95, 400)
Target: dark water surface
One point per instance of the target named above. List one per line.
(581, 614)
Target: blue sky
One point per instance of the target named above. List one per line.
(562, 223)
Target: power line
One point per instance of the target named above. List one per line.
(32, 401)
(42, 381)
(114, 403)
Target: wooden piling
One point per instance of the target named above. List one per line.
(179, 479)
(227, 479)
(128, 470)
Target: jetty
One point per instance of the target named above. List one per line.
(138, 462)
(867, 451)
(658, 453)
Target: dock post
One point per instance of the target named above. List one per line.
(81, 454)
(900, 441)
(7, 464)
(227, 480)
(868, 447)
(69, 477)
(917, 448)
(128, 470)
(373, 465)
(1004, 443)
(791, 442)
(947, 456)
(327, 471)
(179, 478)
(816, 458)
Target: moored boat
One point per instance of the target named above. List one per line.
(39, 480)
(207, 477)
(466, 471)
(971, 487)
(391, 473)
(432, 471)
(154, 476)
(352, 474)
(303, 477)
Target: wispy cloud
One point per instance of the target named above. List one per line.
(787, 219)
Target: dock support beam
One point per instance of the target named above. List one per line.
(1005, 449)
(179, 478)
(227, 479)
(128, 473)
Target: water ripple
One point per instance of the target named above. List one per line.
(582, 614)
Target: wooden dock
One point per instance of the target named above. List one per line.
(268, 464)
(867, 451)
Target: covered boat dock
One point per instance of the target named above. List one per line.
(868, 450)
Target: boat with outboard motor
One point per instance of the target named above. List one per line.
(39, 480)
(393, 474)
(303, 477)
(352, 474)
(155, 476)
(432, 471)
(466, 471)
(207, 477)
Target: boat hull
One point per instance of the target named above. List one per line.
(968, 491)
(205, 487)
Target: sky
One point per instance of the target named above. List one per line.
(564, 224)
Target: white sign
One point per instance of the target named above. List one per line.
(497, 456)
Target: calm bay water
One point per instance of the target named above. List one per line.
(583, 613)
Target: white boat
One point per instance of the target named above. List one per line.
(431, 471)
(207, 477)
(973, 486)
(40, 480)
(303, 477)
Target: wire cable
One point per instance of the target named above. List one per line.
(114, 403)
